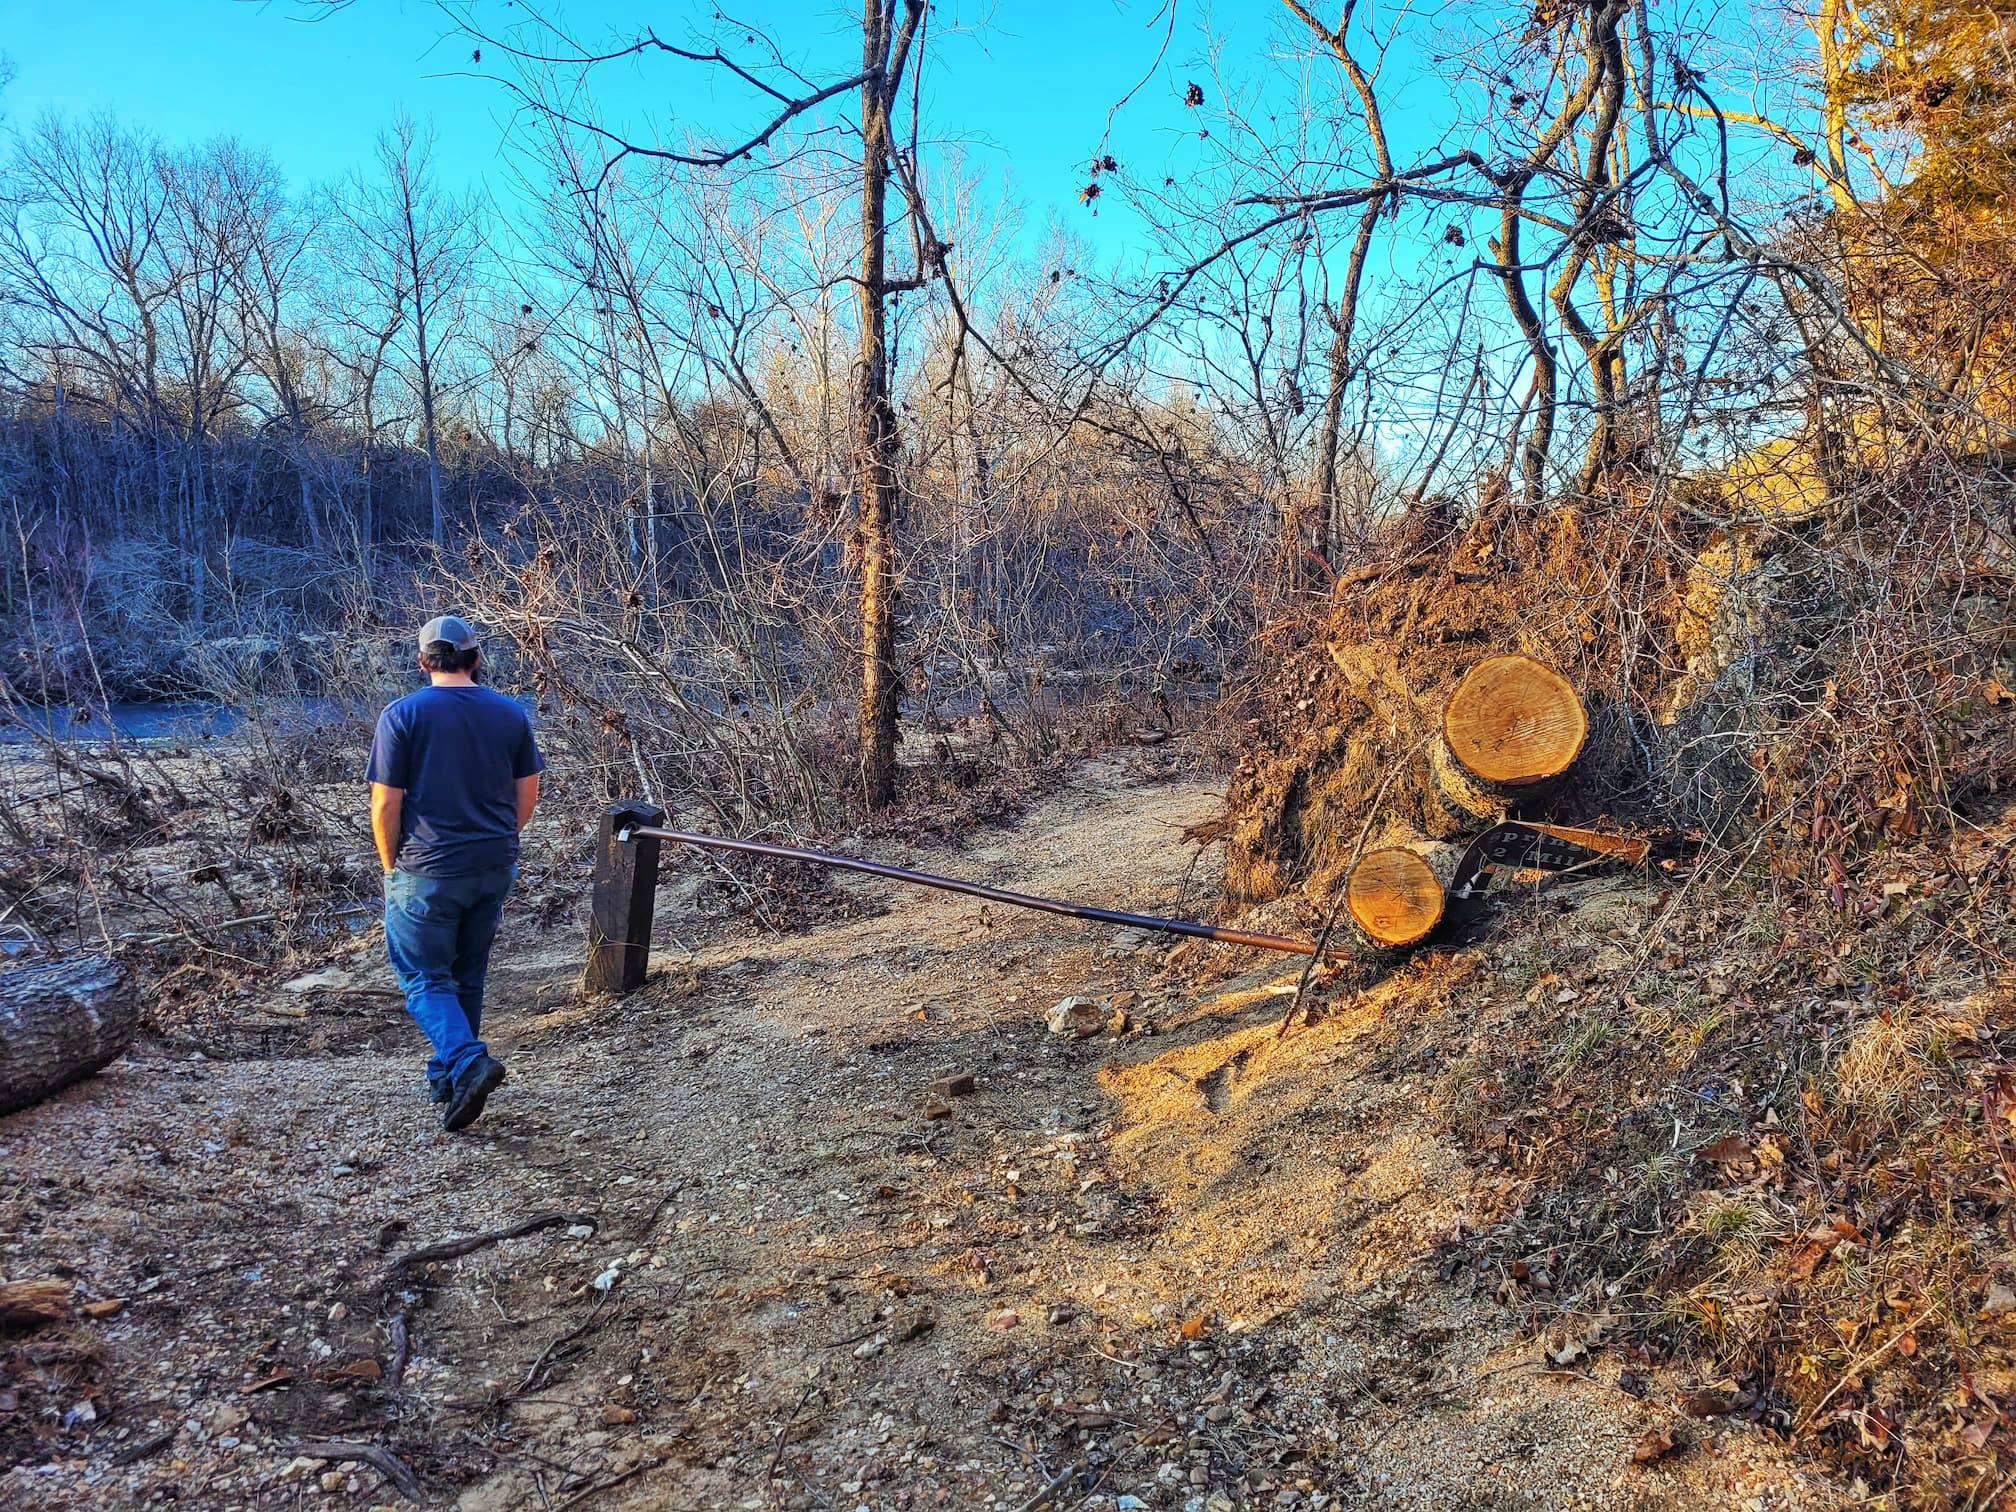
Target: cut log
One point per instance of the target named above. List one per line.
(1395, 894)
(1512, 728)
(60, 1021)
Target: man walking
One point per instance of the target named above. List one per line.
(454, 776)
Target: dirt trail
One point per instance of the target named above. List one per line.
(1197, 1267)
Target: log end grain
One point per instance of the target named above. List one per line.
(1394, 896)
(1514, 722)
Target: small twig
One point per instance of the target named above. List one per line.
(1056, 1484)
(532, 1376)
(644, 1229)
(1858, 1366)
(1344, 890)
(1309, 966)
(450, 1249)
(784, 1433)
(608, 1485)
(386, 1463)
(1034, 1459)
(872, 1329)
(154, 1443)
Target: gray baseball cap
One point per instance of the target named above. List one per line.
(451, 628)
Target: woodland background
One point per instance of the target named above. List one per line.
(730, 430)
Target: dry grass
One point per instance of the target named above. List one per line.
(1790, 1135)
(1888, 1076)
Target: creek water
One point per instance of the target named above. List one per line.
(174, 720)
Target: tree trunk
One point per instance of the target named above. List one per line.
(308, 510)
(1505, 735)
(1343, 321)
(875, 464)
(199, 522)
(60, 1022)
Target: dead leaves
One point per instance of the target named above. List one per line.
(1819, 1243)
(1571, 1338)
(1707, 1404)
(1738, 1156)
(1657, 1443)
(1729, 1150)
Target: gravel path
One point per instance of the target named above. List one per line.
(1188, 1265)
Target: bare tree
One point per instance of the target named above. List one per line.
(281, 349)
(886, 43)
(891, 31)
(422, 244)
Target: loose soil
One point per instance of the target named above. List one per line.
(1196, 1262)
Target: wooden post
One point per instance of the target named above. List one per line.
(626, 891)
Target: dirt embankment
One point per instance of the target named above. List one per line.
(1196, 1264)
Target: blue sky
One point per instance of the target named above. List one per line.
(1024, 85)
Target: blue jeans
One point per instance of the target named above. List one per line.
(438, 933)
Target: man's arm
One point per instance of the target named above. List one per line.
(386, 803)
(528, 798)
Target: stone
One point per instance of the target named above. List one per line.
(1080, 1017)
(959, 1084)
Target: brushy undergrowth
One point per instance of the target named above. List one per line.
(1772, 1141)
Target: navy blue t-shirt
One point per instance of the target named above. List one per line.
(458, 752)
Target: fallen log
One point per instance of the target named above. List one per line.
(1511, 730)
(61, 1021)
